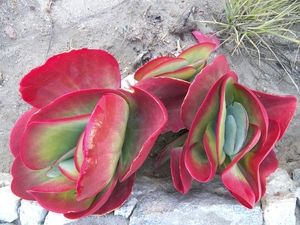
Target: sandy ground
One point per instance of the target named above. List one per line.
(134, 31)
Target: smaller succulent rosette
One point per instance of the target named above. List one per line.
(168, 78)
(77, 150)
(232, 131)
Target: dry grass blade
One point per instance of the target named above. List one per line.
(257, 21)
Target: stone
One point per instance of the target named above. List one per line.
(128, 81)
(9, 204)
(5, 179)
(160, 203)
(108, 219)
(296, 175)
(279, 202)
(57, 219)
(126, 209)
(31, 213)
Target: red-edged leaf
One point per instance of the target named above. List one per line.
(62, 202)
(147, 119)
(72, 104)
(24, 179)
(237, 184)
(68, 72)
(183, 73)
(78, 153)
(198, 164)
(99, 200)
(18, 130)
(164, 154)
(54, 185)
(201, 85)
(68, 169)
(261, 161)
(197, 52)
(256, 112)
(279, 108)
(149, 66)
(102, 145)
(209, 37)
(171, 92)
(199, 157)
(182, 180)
(119, 195)
(44, 142)
(167, 66)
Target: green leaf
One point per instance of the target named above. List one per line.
(230, 135)
(44, 142)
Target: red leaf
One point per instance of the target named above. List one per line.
(209, 37)
(102, 145)
(24, 179)
(201, 86)
(72, 104)
(139, 74)
(98, 201)
(62, 202)
(119, 195)
(182, 180)
(18, 130)
(68, 72)
(279, 108)
(147, 119)
(171, 92)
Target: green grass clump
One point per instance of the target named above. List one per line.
(255, 22)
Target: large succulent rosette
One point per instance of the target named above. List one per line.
(232, 131)
(77, 150)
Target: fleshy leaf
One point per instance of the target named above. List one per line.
(238, 186)
(119, 195)
(196, 52)
(239, 114)
(230, 135)
(18, 130)
(78, 154)
(279, 108)
(182, 180)
(209, 37)
(44, 142)
(149, 66)
(171, 92)
(198, 165)
(24, 179)
(54, 185)
(102, 145)
(261, 161)
(201, 86)
(68, 72)
(147, 119)
(255, 110)
(62, 202)
(167, 66)
(99, 200)
(183, 73)
(68, 169)
(72, 104)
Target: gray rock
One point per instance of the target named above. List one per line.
(279, 202)
(57, 219)
(108, 219)
(159, 203)
(126, 209)
(9, 204)
(296, 175)
(5, 179)
(31, 213)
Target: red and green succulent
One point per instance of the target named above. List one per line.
(78, 149)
